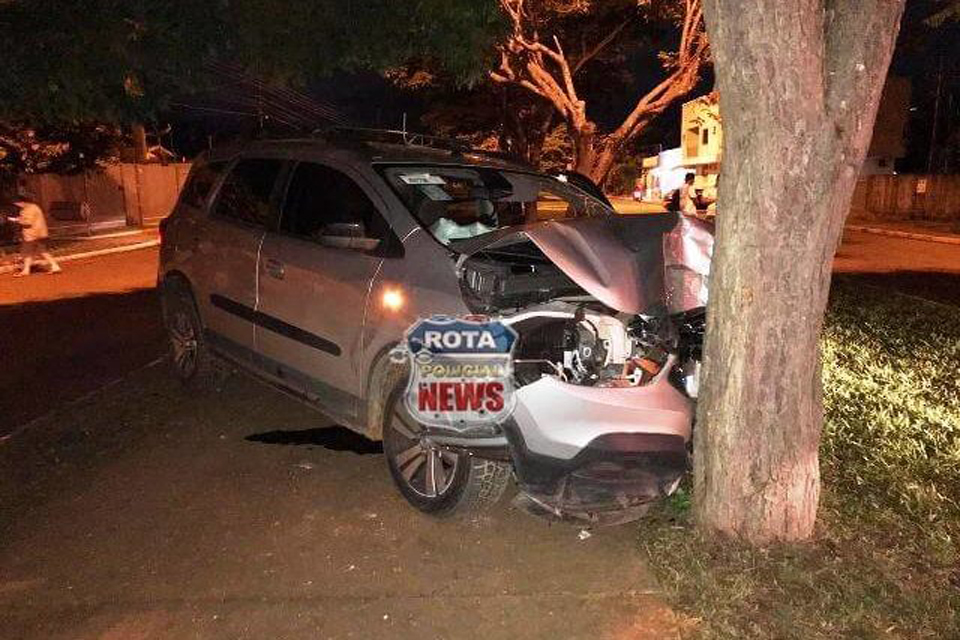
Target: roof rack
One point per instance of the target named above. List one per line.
(411, 139)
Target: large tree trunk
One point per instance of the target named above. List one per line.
(799, 88)
(595, 155)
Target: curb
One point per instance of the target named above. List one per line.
(911, 235)
(92, 254)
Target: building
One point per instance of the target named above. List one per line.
(701, 144)
(700, 152)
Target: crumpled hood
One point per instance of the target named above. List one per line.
(618, 259)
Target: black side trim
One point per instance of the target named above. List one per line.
(333, 402)
(274, 324)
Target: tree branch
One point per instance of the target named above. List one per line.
(538, 79)
(690, 57)
(600, 46)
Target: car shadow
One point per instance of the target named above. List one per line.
(332, 438)
(54, 351)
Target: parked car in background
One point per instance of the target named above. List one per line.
(304, 262)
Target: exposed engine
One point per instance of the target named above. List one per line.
(585, 344)
(566, 333)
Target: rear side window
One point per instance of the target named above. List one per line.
(319, 195)
(245, 194)
(201, 182)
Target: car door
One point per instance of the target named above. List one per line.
(228, 249)
(315, 273)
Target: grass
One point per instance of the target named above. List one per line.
(885, 561)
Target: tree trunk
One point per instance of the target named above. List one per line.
(799, 90)
(604, 151)
(582, 135)
(139, 142)
(603, 160)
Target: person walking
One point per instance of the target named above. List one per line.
(33, 228)
(688, 195)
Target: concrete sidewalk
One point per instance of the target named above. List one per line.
(77, 247)
(929, 231)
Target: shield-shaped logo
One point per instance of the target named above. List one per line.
(461, 374)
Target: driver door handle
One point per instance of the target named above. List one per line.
(274, 268)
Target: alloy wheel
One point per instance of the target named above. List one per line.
(425, 468)
(184, 343)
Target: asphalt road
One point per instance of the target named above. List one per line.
(130, 508)
(65, 335)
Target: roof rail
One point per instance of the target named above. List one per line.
(411, 139)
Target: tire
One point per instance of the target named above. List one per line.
(461, 484)
(190, 358)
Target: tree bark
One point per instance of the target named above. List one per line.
(799, 86)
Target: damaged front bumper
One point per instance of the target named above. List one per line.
(598, 454)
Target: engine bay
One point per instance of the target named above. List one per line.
(513, 277)
(586, 344)
(574, 335)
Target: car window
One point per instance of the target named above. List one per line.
(200, 183)
(455, 203)
(319, 195)
(245, 194)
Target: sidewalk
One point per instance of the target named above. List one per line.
(931, 231)
(76, 247)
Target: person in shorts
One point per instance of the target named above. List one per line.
(33, 228)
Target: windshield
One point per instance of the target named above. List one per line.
(454, 203)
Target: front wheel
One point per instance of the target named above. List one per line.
(433, 479)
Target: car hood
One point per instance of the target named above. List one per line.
(619, 260)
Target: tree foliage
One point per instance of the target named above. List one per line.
(120, 60)
(948, 10)
(109, 60)
(59, 149)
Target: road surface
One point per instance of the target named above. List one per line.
(68, 334)
(144, 511)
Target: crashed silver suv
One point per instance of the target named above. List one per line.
(305, 262)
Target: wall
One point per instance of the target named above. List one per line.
(119, 194)
(907, 197)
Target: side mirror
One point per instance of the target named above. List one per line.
(347, 235)
(343, 230)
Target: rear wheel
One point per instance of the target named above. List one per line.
(190, 358)
(433, 479)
